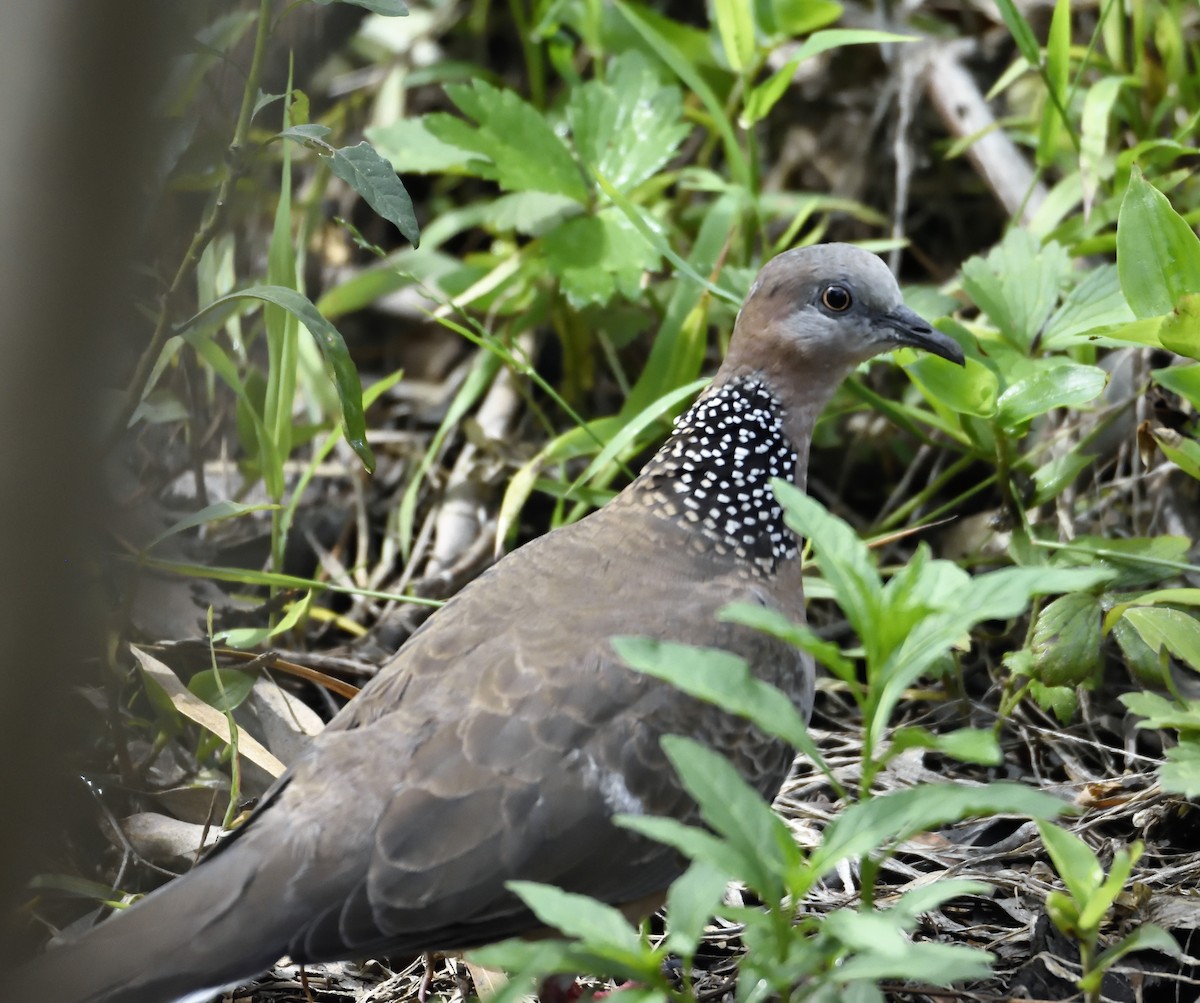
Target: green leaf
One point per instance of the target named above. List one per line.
(898, 815)
(578, 916)
(735, 25)
(973, 389)
(723, 679)
(737, 812)
(942, 964)
(520, 149)
(596, 258)
(1180, 450)
(374, 178)
(1074, 860)
(1022, 34)
(1180, 774)
(1180, 329)
(845, 560)
(341, 367)
(1134, 561)
(629, 125)
(1159, 712)
(1057, 385)
(1183, 380)
(1171, 629)
(216, 512)
(386, 8)
(224, 689)
(792, 18)
(1145, 938)
(1057, 76)
(1095, 302)
(799, 636)
(967, 745)
(916, 902)
(692, 900)
(766, 95)
(1095, 162)
(1066, 641)
(1017, 284)
(412, 148)
(1158, 253)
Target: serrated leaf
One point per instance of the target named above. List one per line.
(1066, 641)
(411, 147)
(1158, 253)
(1180, 774)
(629, 125)
(1095, 302)
(1160, 712)
(519, 148)
(1017, 284)
(596, 258)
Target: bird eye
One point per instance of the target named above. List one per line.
(836, 298)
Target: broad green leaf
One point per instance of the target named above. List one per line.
(1066, 641)
(412, 148)
(1074, 860)
(578, 916)
(374, 178)
(341, 367)
(1160, 712)
(973, 389)
(1093, 913)
(845, 561)
(1180, 329)
(1180, 774)
(650, 29)
(627, 126)
(1158, 253)
(735, 26)
(598, 257)
(766, 95)
(723, 679)
(1183, 380)
(1095, 302)
(1064, 384)
(692, 900)
(1145, 938)
(738, 813)
(799, 636)
(916, 902)
(1180, 450)
(519, 148)
(792, 18)
(889, 818)
(968, 745)
(1172, 629)
(942, 964)
(1017, 284)
(694, 843)
(225, 693)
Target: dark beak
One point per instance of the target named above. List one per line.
(904, 327)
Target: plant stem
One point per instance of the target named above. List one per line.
(235, 166)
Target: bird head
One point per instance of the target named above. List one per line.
(826, 308)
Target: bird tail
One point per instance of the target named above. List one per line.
(181, 944)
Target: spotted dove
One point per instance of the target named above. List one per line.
(500, 740)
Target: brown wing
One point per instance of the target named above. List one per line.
(499, 743)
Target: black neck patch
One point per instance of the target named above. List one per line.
(714, 473)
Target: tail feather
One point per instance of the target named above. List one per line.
(181, 943)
